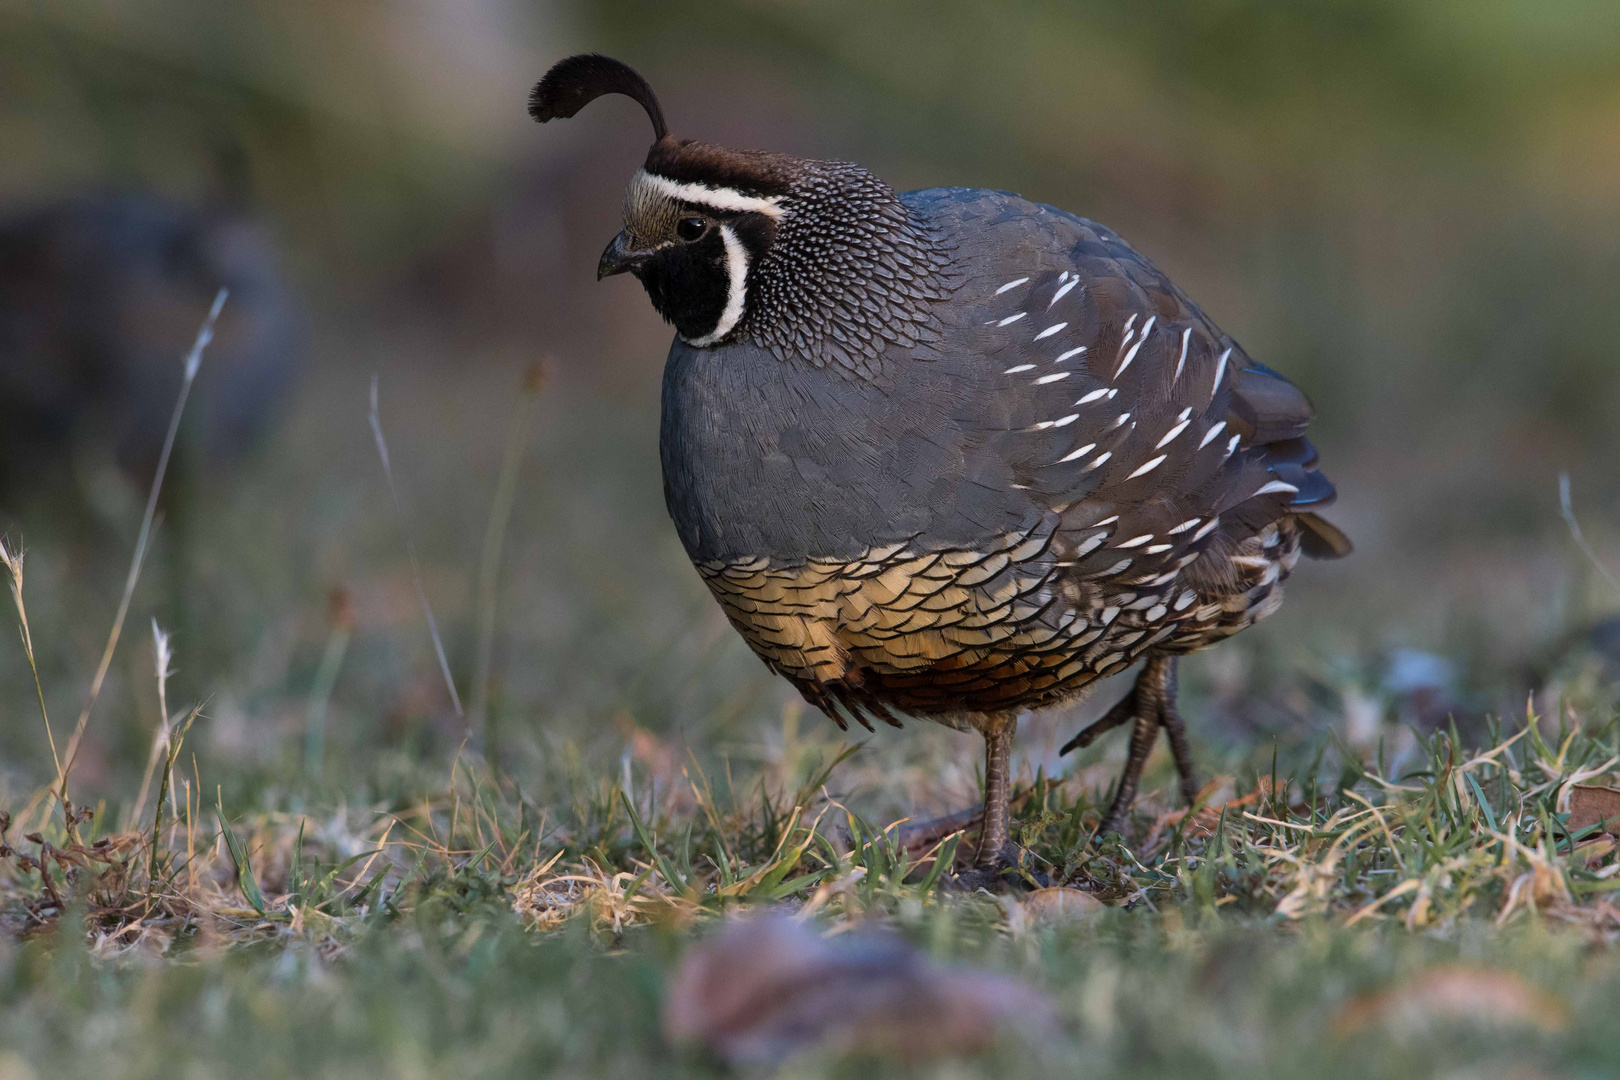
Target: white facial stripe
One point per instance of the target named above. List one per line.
(728, 200)
(736, 289)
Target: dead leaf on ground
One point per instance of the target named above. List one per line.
(1452, 995)
(1215, 796)
(1060, 905)
(766, 988)
(1590, 804)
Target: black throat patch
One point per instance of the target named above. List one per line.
(689, 285)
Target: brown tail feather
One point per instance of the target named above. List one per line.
(1322, 540)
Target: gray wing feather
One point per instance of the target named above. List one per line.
(1122, 407)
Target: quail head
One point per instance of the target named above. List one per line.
(952, 454)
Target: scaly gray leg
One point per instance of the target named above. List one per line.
(1175, 730)
(996, 833)
(1151, 705)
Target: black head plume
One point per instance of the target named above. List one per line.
(574, 83)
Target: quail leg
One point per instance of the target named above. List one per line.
(995, 852)
(995, 835)
(1175, 732)
(1151, 705)
(1123, 712)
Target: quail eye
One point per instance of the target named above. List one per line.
(690, 228)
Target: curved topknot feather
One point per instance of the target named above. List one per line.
(574, 83)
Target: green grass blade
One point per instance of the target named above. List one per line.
(945, 858)
(798, 884)
(244, 865)
(635, 885)
(360, 897)
(1484, 803)
(664, 868)
(325, 885)
(296, 883)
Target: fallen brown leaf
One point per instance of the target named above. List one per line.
(1590, 804)
(1060, 905)
(1215, 798)
(1482, 997)
(765, 988)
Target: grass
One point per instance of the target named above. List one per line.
(1470, 837)
(479, 929)
(1420, 907)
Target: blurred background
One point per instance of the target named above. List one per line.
(1410, 208)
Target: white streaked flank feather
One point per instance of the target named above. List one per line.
(1148, 467)
(1072, 455)
(1171, 434)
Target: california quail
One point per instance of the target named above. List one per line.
(950, 453)
(100, 297)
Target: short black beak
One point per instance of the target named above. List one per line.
(619, 257)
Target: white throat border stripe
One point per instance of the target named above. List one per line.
(736, 289)
(727, 200)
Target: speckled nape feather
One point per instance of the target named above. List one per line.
(853, 275)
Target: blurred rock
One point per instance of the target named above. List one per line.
(1588, 653)
(1363, 718)
(1604, 640)
(100, 299)
(765, 988)
(1423, 687)
(1416, 691)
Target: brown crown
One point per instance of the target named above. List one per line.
(753, 172)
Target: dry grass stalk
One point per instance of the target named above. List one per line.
(489, 565)
(162, 661)
(375, 419)
(1566, 507)
(13, 561)
(340, 609)
(167, 789)
(193, 361)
